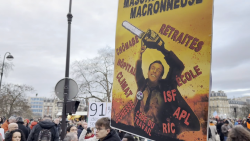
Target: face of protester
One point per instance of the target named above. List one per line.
(16, 136)
(101, 132)
(124, 139)
(154, 73)
(56, 121)
(73, 129)
(12, 127)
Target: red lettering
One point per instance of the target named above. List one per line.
(169, 96)
(174, 94)
(166, 30)
(126, 45)
(199, 46)
(188, 76)
(130, 93)
(176, 32)
(173, 130)
(184, 81)
(119, 76)
(193, 43)
(180, 37)
(189, 38)
(177, 112)
(178, 80)
(186, 120)
(124, 85)
(197, 70)
(183, 114)
(172, 29)
(164, 94)
(136, 39)
(162, 28)
(183, 41)
(192, 74)
(133, 41)
(164, 128)
(168, 127)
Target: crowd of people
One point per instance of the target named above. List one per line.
(46, 129)
(229, 129)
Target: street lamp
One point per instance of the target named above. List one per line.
(10, 58)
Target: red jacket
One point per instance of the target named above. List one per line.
(5, 126)
(33, 124)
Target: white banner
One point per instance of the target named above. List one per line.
(98, 110)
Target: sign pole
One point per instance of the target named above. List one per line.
(66, 86)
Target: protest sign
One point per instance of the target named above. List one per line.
(162, 68)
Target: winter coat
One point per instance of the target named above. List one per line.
(33, 124)
(23, 128)
(5, 126)
(79, 130)
(224, 129)
(44, 125)
(112, 136)
(213, 130)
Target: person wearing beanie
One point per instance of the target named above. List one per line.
(20, 122)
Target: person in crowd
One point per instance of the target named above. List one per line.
(128, 138)
(11, 127)
(247, 123)
(46, 125)
(225, 128)
(79, 129)
(26, 123)
(213, 130)
(1, 138)
(57, 125)
(72, 129)
(121, 134)
(70, 137)
(218, 127)
(16, 135)
(238, 133)
(103, 131)
(1, 121)
(34, 123)
(12, 119)
(20, 122)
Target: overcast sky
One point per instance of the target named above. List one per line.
(35, 32)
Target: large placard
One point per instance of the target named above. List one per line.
(98, 110)
(162, 68)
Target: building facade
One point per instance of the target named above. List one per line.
(227, 108)
(36, 105)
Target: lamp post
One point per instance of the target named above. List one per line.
(66, 85)
(10, 58)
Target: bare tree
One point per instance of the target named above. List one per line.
(13, 100)
(95, 76)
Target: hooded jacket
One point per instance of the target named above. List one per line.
(33, 124)
(44, 125)
(112, 136)
(23, 128)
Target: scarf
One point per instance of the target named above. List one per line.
(89, 136)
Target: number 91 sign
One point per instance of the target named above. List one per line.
(98, 110)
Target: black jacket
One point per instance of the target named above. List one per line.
(43, 125)
(23, 128)
(112, 136)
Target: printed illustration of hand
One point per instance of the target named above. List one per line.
(152, 40)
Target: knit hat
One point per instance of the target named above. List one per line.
(28, 121)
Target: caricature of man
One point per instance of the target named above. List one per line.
(160, 96)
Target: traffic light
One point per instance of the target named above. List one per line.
(71, 107)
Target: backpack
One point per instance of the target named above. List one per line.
(44, 135)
